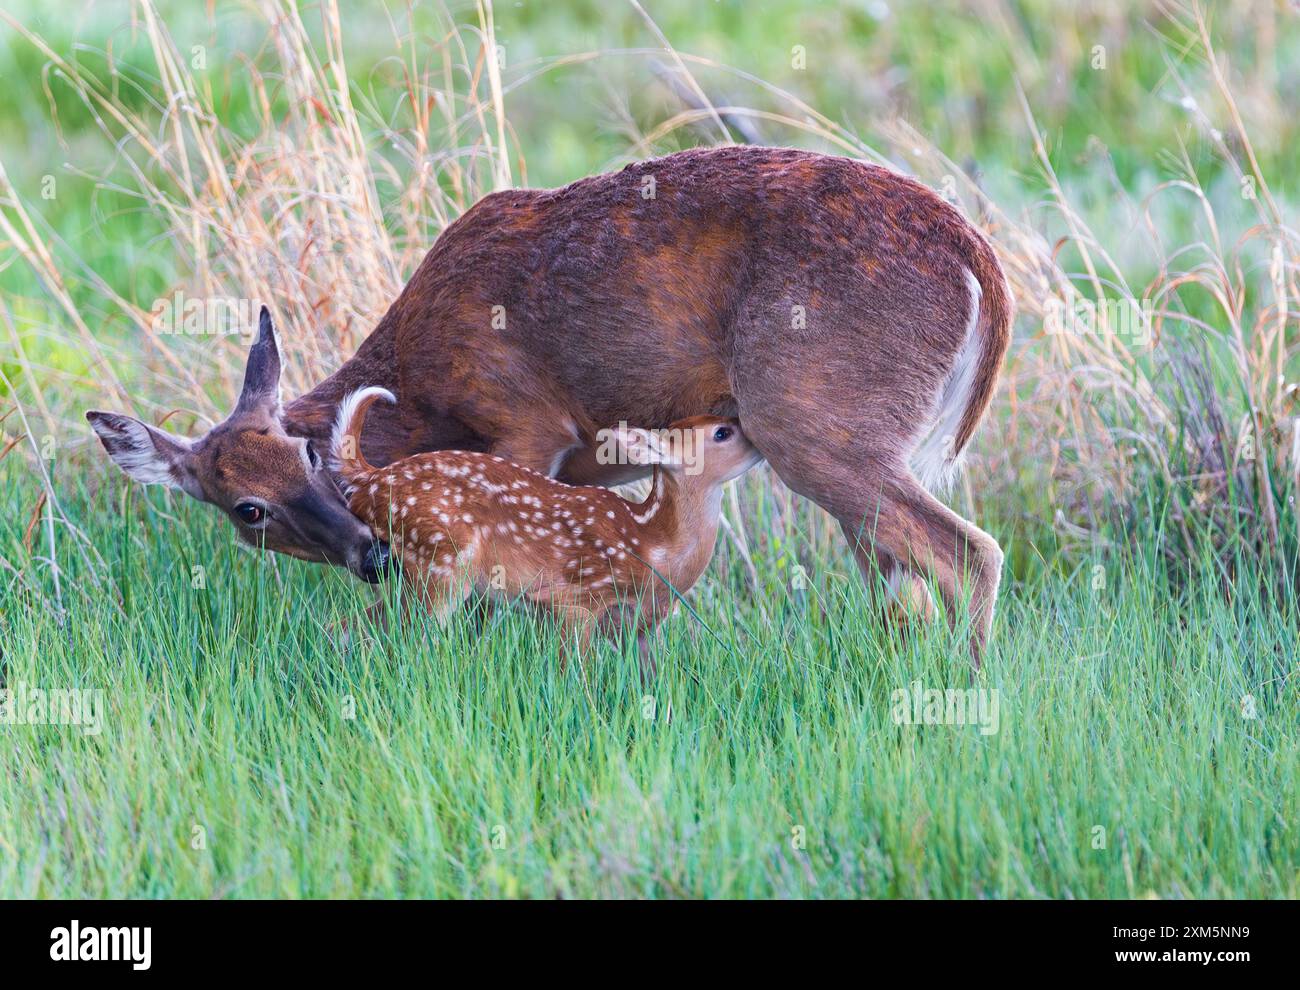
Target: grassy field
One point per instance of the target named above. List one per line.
(1139, 733)
(1144, 745)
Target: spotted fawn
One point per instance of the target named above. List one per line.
(462, 522)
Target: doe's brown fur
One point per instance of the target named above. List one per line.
(851, 319)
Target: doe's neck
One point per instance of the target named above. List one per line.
(311, 415)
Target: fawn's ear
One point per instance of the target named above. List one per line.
(149, 455)
(261, 391)
(645, 447)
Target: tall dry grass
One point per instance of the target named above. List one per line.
(290, 215)
(325, 204)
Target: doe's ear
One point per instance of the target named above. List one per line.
(150, 456)
(261, 391)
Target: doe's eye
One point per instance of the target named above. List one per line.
(250, 514)
(312, 457)
(721, 433)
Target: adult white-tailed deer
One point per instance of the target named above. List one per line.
(463, 522)
(851, 319)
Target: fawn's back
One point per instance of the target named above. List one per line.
(502, 528)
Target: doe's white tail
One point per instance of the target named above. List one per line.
(937, 460)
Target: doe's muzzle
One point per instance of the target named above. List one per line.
(377, 564)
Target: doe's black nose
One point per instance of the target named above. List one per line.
(377, 563)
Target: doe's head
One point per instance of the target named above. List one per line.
(275, 488)
(712, 450)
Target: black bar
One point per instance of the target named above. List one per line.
(338, 940)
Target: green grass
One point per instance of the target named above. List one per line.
(475, 766)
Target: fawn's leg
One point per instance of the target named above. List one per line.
(645, 653)
(577, 627)
(634, 618)
(377, 613)
(440, 596)
(482, 609)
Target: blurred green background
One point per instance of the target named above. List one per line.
(1098, 76)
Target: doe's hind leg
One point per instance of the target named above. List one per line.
(886, 513)
(932, 541)
(904, 597)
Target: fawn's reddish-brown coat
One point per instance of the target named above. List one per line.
(463, 522)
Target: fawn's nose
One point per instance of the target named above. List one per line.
(376, 564)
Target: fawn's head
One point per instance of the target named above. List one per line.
(701, 450)
(275, 488)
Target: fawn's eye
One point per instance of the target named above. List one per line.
(312, 457)
(250, 514)
(721, 433)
